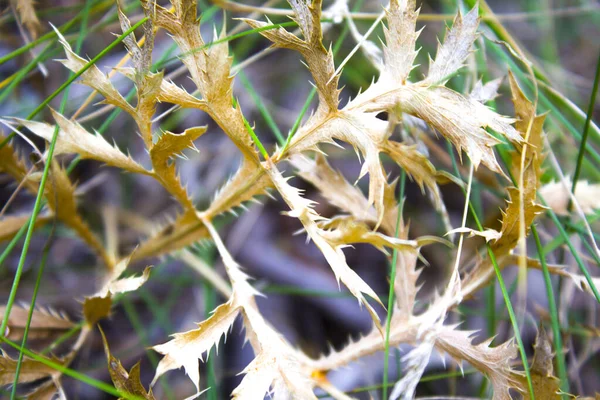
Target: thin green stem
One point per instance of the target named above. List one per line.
(558, 345)
(586, 126)
(390, 305)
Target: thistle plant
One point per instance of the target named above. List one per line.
(415, 106)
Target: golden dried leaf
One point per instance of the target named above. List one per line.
(31, 370)
(545, 384)
(171, 93)
(96, 308)
(168, 146)
(125, 382)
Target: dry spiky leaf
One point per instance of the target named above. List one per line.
(301, 208)
(93, 77)
(545, 384)
(171, 93)
(168, 146)
(44, 322)
(186, 348)
(456, 47)
(31, 370)
(557, 196)
(495, 362)
(73, 138)
(125, 382)
(400, 40)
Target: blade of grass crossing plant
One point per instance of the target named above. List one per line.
(513, 319)
(390, 306)
(13, 81)
(586, 126)
(558, 345)
(39, 197)
(51, 35)
(70, 372)
(261, 108)
(505, 293)
(36, 289)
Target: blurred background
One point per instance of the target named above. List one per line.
(302, 299)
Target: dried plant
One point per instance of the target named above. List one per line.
(412, 105)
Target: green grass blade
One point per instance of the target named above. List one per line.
(586, 126)
(558, 345)
(390, 305)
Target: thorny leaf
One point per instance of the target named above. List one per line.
(210, 69)
(495, 362)
(531, 175)
(98, 306)
(557, 196)
(44, 322)
(456, 48)
(93, 77)
(28, 16)
(171, 93)
(168, 146)
(31, 370)
(73, 138)
(400, 40)
(125, 382)
(301, 208)
(545, 384)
